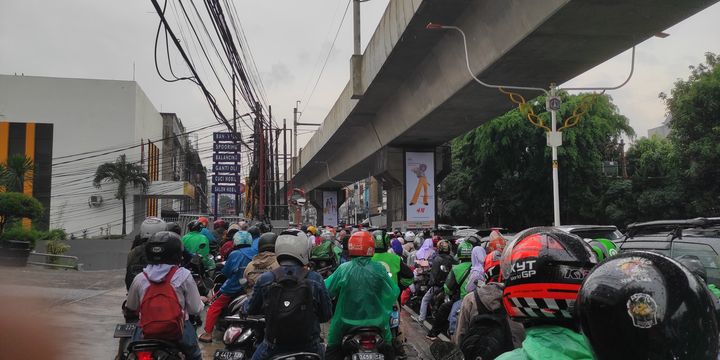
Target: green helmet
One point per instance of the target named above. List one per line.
(464, 251)
(604, 248)
(382, 240)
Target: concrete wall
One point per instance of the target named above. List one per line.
(88, 115)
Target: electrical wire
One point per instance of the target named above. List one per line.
(327, 57)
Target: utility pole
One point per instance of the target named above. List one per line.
(293, 139)
(276, 184)
(271, 161)
(237, 145)
(285, 165)
(261, 161)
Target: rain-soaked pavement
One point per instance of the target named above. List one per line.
(80, 310)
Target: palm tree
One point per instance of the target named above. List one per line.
(122, 173)
(17, 170)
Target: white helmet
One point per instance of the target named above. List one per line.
(293, 243)
(150, 226)
(409, 235)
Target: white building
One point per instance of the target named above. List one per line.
(95, 121)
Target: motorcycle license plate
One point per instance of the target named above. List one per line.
(124, 330)
(228, 355)
(368, 356)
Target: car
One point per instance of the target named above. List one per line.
(698, 237)
(460, 227)
(609, 232)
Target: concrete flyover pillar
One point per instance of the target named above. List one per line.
(327, 202)
(391, 174)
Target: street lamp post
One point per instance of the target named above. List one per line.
(553, 102)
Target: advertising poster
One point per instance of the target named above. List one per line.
(420, 186)
(330, 208)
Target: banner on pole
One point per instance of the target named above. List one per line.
(420, 187)
(330, 208)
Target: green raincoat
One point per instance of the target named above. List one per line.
(551, 343)
(365, 296)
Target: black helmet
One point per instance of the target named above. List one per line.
(173, 227)
(194, 225)
(474, 240)
(164, 247)
(693, 263)
(264, 228)
(543, 269)
(267, 242)
(643, 305)
(254, 232)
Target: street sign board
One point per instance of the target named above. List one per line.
(226, 189)
(553, 103)
(225, 136)
(223, 146)
(226, 157)
(226, 168)
(228, 179)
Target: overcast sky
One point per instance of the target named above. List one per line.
(289, 39)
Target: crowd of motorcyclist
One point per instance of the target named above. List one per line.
(543, 294)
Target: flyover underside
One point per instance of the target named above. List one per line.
(427, 101)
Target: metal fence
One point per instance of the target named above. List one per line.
(53, 260)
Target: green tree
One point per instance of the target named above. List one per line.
(656, 188)
(17, 170)
(694, 109)
(15, 205)
(502, 175)
(123, 173)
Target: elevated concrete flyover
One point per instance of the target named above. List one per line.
(417, 93)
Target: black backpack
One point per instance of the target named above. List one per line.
(488, 335)
(289, 306)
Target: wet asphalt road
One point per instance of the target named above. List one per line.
(82, 308)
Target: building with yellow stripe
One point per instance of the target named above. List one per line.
(71, 126)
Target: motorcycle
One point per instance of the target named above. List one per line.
(297, 356)
(219, 278)
(242, 337)
(363, 343)
(421, 283)
(323, 266)
(153, 349)
(124, 332)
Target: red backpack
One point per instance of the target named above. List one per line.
(161, 316)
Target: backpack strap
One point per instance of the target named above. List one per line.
(481, 308)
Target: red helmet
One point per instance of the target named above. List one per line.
(361, 243)
(543, 269)
(203, 220)
(220, 223)
(492, 266)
